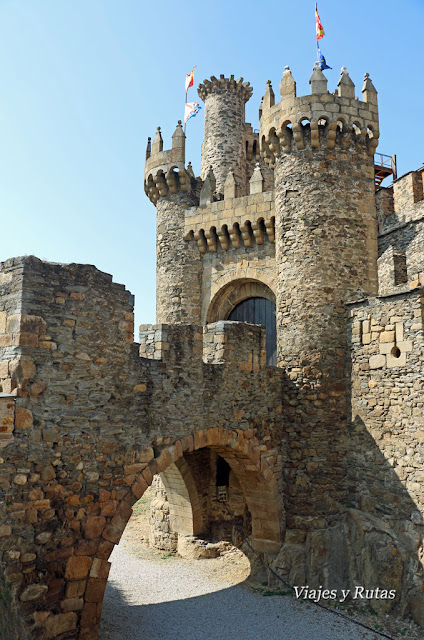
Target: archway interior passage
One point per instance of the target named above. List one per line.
(259, 311)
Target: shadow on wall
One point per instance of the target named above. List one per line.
(350, 519)
(11, 625)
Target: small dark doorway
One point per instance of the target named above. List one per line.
(259, 311)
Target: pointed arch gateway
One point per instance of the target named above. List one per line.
(259, 483)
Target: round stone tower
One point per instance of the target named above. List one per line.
(171, 187)
(223, 145)
(321, 147)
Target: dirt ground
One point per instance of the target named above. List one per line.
(230, 566)
(233, 566)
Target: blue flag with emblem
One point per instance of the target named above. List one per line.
(322, 63)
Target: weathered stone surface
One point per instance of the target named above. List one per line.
(23, 419)
(78, 567)
(60, 623)
(33, 592)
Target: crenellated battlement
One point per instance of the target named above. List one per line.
(232, 224)
(223, 85)
(319, 120)
(165, 171)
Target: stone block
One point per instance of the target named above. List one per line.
(72, 604)
(4, 369)
(100, 568)
(56, 625)
(94, 526)
(5, 530)
(386, 347)
(33, 592)
(378, 361)
(399, 331)
(23, 418)
(76, 588)
(392, 361)
(387, 336)
(3, 321)
(78, 567)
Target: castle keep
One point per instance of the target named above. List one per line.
(310, 428)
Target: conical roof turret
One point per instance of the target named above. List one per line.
(287, 84)
(346, 88)
(318, 81)
(157, 144)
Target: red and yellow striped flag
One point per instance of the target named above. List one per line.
(189, 79)
(319, 27)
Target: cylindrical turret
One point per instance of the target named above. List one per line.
(178, 263)
(171, 187)
(321, 147)
(223, 148)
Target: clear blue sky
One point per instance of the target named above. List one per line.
(84, 82)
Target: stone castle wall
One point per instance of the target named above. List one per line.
(94, 423)
(325, 451)
(387, 432)
(235, 239)
(401, 237)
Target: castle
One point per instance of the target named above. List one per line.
(309, 428)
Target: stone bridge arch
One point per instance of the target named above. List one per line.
(67, 596)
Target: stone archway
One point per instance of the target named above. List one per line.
(232, 293)
(255, 476)
(81, 570)
(183, 499)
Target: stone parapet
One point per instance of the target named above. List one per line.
(402, 203)
(94, 422)
(215, 85)
(320, 120)
(236, 344)
(165, 171)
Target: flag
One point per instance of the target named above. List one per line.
(191, 109)
(319, 27)
(189, 79)
(322, 63)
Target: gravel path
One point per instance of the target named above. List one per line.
(173, 600)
